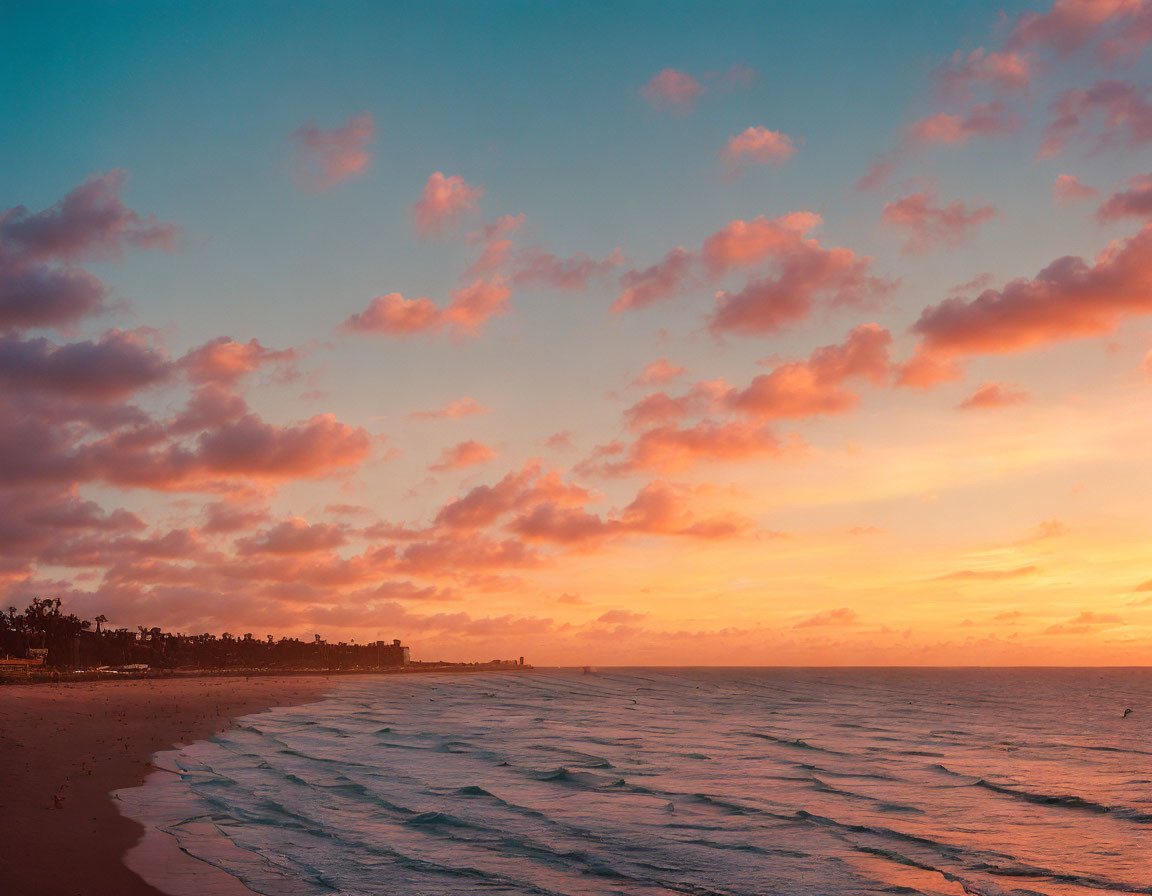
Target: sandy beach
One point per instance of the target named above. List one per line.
(65, 748)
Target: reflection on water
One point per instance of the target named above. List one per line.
(642, 781)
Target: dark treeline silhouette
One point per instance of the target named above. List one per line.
(75, 643)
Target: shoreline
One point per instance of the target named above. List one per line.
(67, 748)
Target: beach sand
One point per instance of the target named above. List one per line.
(79, 743)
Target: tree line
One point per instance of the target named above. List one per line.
(75, 643)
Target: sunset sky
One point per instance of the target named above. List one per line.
(597, 333)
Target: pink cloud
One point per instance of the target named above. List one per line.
(560, 441)
(792, 390)
(660, 408)
(1069, 299)
(518, 491)
(473, 305)
(498, 229)
(758, 145)
(496, 246)
(999, 70)
(924, 371)
(993, 395)
(444, 201)
(806, 273)
(294, 536)
(452, 554)
(224, 361)
(245, 448)
(230, 516)
(38, 285)
(1123, 107)
(89, 222)
(466, 454)
(749, 243)
(659, 371)
(394, 315)
(929, 224)
(321, 159)
(108, 370)
(672, 89)
(534, 265)
(1133, 202)
(1066, 300)
(661, 281)
(1071, 24)
(454, 410)
(815, 387)
(43, 296)
(659, 508)
(673, 449)
(1069, 189)
(981, 120)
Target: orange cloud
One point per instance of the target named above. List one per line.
(842, 616)
(224, 361)
(656, 372)
(993, 395)
(454, 410)
(659, 508)
(809, 388)
(466, 454)
(1086, 622)
(988, 575)
(749, 243)
(395, 315)
(674, 449)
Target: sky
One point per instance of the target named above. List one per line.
(597, 333)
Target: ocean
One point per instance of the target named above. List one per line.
(709, 782)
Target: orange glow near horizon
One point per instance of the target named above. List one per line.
(692, 361)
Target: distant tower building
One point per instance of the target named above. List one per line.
(521, 661)
(394, 654)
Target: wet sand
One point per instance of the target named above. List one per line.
(64, 748)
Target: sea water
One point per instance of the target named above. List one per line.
(701, 782)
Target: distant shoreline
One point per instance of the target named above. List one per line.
(92, 677)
